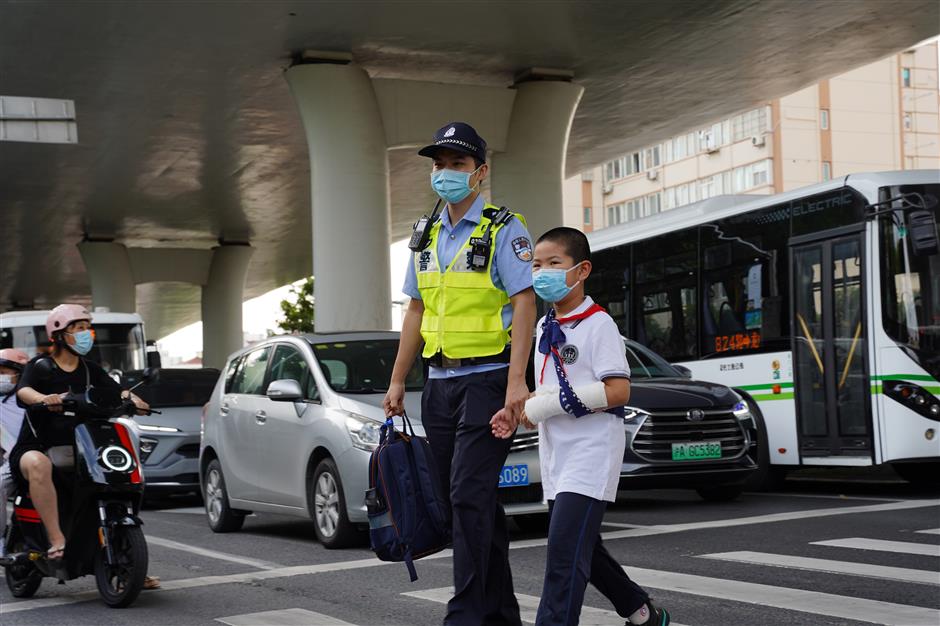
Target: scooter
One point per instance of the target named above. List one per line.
(100, 488)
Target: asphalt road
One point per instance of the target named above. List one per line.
(813, 553)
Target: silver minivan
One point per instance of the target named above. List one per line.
(290, 426)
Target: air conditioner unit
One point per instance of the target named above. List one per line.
(758, 140)
(608, 188)
(707, 143)
(652, 174)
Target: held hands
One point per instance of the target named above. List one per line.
(503, 427)
(516, 394)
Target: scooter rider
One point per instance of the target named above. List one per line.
(11, 417)
(44, 380)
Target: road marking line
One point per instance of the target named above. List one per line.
(836, 567)
(212, 554)
(528, 606)
(619, 525)
(818, 495)
(930, 531)
(882, 545)
(284, 617)
(844, 607)
(188, 510)
(766, 519)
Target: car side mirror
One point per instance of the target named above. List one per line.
(154, 359)
(686, 372)
(286, 390)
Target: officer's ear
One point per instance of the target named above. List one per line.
(482, 172)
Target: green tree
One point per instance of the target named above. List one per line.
(298, 309)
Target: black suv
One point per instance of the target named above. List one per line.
(681, 433)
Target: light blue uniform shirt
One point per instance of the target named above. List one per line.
(511, 270)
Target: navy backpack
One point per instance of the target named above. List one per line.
(408, 516)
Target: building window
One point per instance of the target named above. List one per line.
(749, 124)
(908, 121)
(587, 215)
(616, 214)
(751, 176)
(651, 158)
(824, 119)
(826, 170)
(906, 76)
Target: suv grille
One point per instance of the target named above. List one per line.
(660, 430)
(525, 441)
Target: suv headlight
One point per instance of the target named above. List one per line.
(742, 411)
(363, 432)
(633, 415)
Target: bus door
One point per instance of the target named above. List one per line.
(830, 349)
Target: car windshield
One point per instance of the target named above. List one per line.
(364, 366)
(645, 363)
(910, 286)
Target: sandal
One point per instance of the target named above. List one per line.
(55, 553)
(152, 582)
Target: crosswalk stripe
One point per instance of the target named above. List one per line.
(836, 567)
(844, 607)
(930, 531)
(882, 545)
(528, 605)
(284, 617)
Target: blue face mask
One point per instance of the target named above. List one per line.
(550, 284)
(452, 186)
(83, 342)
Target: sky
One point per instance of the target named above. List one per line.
(261, 314)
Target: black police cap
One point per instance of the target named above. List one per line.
(458, 137)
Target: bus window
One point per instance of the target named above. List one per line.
(666, 294)
(609, 284)
(745, 287)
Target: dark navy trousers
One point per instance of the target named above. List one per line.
(576, 556)
(456, 414)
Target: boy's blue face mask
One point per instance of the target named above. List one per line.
(452, 186)
(83, 342)
(551, 285)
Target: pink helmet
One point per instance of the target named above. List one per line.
(63, 315)
(13, 358)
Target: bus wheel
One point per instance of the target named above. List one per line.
(925, 474)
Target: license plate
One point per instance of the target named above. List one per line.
(514, 476)
(696, 450)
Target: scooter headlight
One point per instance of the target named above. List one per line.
(116, 459)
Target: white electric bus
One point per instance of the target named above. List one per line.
(820, 305)
(119, 337)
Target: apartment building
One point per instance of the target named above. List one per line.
(883, 116)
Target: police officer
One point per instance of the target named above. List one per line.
(470, 282)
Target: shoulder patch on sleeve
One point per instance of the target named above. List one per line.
(522, 248)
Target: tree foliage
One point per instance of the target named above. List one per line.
(298, 309)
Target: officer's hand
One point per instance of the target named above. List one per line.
(524, 420)
(502, 426)
(516, 395)
(394, 402)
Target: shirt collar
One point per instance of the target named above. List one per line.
(581, 308)
(474, 215)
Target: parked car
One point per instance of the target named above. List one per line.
(290, 426)
(681, 433)
(168, 442)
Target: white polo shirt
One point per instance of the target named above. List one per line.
(583, 454)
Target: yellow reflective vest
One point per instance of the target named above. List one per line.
(462, 307)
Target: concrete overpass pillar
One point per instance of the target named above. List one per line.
(528, 176)
(110, 275)
(222, 297)
(349, 192)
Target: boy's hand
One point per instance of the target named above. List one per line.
(503, 427)
(524, 420)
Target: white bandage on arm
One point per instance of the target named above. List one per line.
(547, 404)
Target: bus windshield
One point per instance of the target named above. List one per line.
(910, 286)
(117, 346)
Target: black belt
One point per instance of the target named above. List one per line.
(439, 360)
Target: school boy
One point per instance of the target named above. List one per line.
(581, 371)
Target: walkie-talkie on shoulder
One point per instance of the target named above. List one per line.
(421, 235)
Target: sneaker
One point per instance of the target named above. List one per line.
(658, 617)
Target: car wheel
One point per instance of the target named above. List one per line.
(720, 493)
(766, 477)
(532, 523)
(328, 507)
(221, 517)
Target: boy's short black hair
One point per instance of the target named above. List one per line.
(572, 240)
